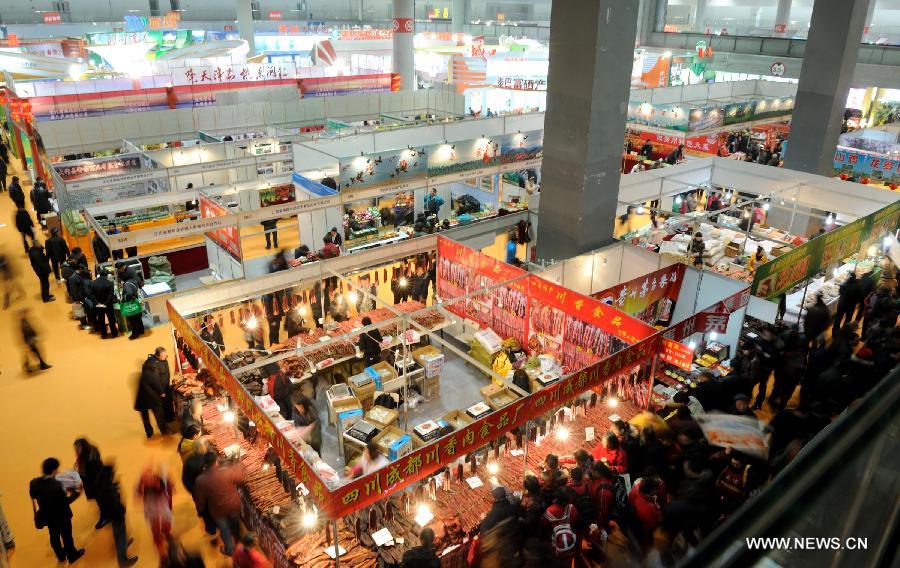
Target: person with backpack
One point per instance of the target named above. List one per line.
(644, 504)
(610, 451)
(131, 293)
(559, 518)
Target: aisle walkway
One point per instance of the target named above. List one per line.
(89, 392)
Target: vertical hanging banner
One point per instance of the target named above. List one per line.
(643, 297)
(229, 238)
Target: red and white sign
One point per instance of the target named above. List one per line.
(366, 35)
(676, 353)
(403, 25)
(702, 145)
(52, 18)
(241, 73)
(275, 14)
(717, 322)
(778, 68)
(780, 28)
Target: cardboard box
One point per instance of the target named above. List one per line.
(420, 353)
(497, 397)
(366, 395)
(381, 372)
(457, 419)
(393, 443)
(431, 359)
(732, 250)
(382, 417)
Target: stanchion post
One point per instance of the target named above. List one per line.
(337, 544)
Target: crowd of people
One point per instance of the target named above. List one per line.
(576, 507)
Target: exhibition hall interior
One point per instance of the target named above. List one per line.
(288, 284)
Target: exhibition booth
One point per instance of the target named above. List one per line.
(869, 156)
(740, 208)
(473, 381)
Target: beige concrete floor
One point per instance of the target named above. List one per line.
(89, 392)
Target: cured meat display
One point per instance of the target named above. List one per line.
(585, 344)
(545, 329)
(632, 385)
(508, 316)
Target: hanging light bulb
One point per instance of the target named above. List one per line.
(228, 417)
(404, 282)
(562, 434)
(765, 206)
(423, 514)
(493, 468)
(692, 345)
(678, 200)
(829, 219)
(252, 322)
(309, 519)
(353, 297)
(640, 209)
(612, 402)
(713, 336)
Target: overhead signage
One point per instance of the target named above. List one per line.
(293, 208)
(110, 181)
(677, 353)
(171, 231)
(374, 192)
(72, 171)
(136, 23)
(212, 166)
(239, 73)
(52, 18)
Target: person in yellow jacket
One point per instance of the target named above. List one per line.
(757, 259)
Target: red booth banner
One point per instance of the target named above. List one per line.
(290, 457)
(677, 354)
(228, 238)
(427, 460)
(640, 297)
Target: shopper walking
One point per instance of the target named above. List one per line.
(816, 321)
(41, 266)
(103, 293)
(51, 509)
(8, 280)
(88, 465)
(3, 170)
(57, 251)
(850, 296)
(109, 499)
(151, 396)
(30, 338)
(270, 229)
(25, 225)
(216, 492)
(16, 193)
(7, 542)
(194, 465)
(155, 490)
(131, 293)
(40, 198)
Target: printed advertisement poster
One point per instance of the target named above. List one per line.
(739, 112)
(662, 143)
(383, 168)
(453, 157)
(778, 276)
(670, 117)
(873, 166)
(771, 108)
(641, 297)
(228, 238)
(83, 169)
(276, 195)
(522, 147)
(702, 145)
(705, 118)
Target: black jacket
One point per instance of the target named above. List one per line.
(53, 501)
(816, 320)
(39, 261)
(103, 291)
(24, 223)
(101, 251)
(191, 470)
(41, 200)
(109, 498)
(500, 511)
(57, 248)
(420, 557)
(370, 343)
(152, 387)
(17, 195)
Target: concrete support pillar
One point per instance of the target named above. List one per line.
(154, 8)
(699, 16)
(245, 23)
(587, 96)
(832, 48)
(870, 14)
(782, 16)
(404, 53)
(360, 9)
(459, 16)
(661, 6)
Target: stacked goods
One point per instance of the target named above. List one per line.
(195, 384)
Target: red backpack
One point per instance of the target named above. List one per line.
(563, 535)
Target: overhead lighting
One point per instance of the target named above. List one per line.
(829, 219)
(228, 417)
(423, 514)
(309, 519)
(612, 402)
(353, 297)
(252, 322)
(713, 336)
(765, 206)
(493, 468)
(667, 54)
(640, 209)
(887, 241)
(692, 345)
(562, 434)
(678, 200)
(403, 282)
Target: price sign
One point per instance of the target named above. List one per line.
(677, 354)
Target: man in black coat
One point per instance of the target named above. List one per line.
(41, 266)
(3, 169)
(422, 556)
(816, 321)
(51, 502)
(109, 499)
(151, 395)
(851, 294)
(57, 250)
(41, 200)
(101, 251)
(79, 288)
(103, 293)
(25, 226)
(16, 193)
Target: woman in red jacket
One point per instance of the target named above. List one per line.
(643, 499)
(612, 454)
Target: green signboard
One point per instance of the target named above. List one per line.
(783, 273)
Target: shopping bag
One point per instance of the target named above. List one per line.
(130, 308)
